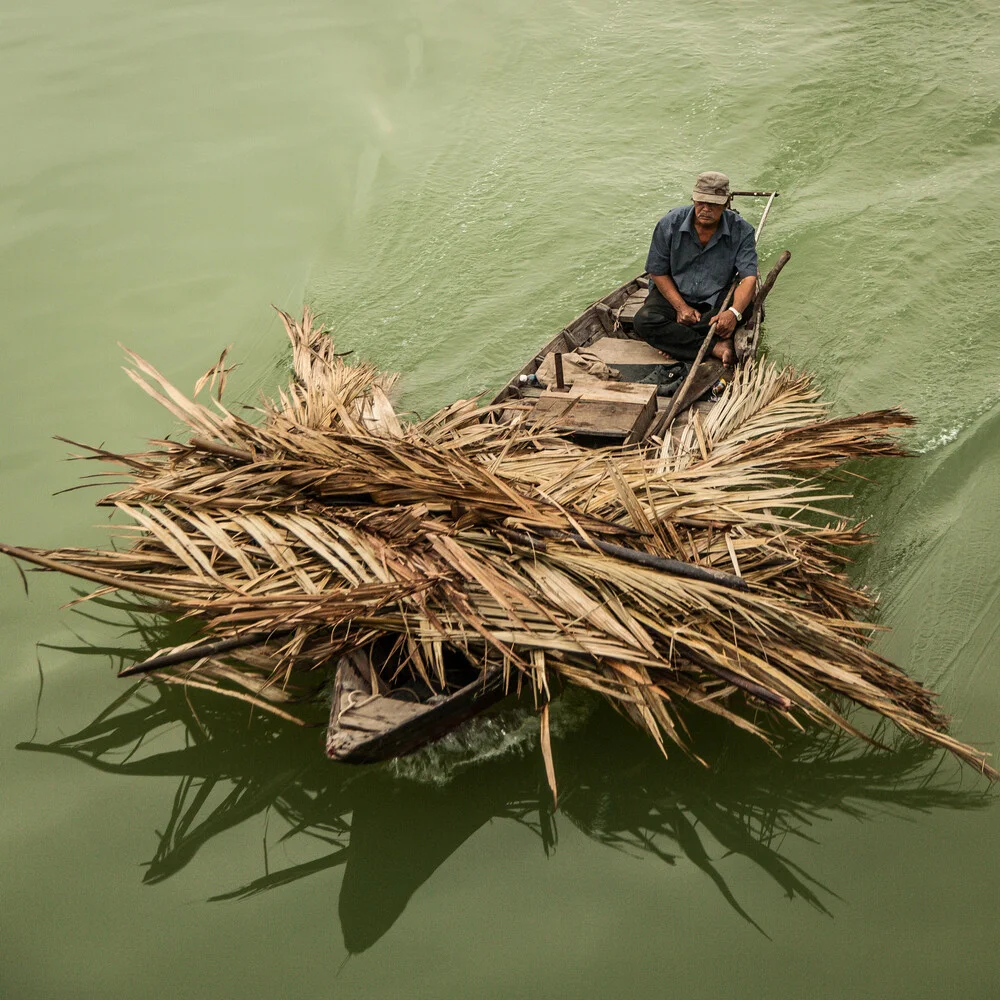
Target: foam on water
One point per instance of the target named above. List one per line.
(940, 440)
(509, 732)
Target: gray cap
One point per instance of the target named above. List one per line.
(712, 187)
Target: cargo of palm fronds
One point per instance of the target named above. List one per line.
(702, 571)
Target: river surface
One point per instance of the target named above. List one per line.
(448, 183)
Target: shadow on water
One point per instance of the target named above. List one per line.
(392, 827)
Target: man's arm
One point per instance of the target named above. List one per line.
(725, 325)
(746, 271)
(658, 268)
(743, 296)
(685, 314)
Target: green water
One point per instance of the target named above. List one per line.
(169, 170)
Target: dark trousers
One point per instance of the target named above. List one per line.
(656, 322)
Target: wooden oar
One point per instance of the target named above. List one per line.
(679, 395)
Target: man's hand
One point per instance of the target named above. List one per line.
(685, 314)
(725, 324)
(689, 316)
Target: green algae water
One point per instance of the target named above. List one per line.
(447, 184)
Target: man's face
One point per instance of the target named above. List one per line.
(707, 214)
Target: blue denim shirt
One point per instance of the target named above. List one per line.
(702, 274)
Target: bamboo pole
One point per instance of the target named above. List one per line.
(763, 218)
(675, 403)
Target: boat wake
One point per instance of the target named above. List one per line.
(968, 425)
(506, 733)
(943, 438)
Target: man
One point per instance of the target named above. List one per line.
(695, 254)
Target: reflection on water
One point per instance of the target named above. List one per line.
(391, 828)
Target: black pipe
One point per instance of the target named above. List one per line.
(197, 652)
(673, 566)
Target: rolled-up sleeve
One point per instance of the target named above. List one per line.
(658, 258)
(746, 255)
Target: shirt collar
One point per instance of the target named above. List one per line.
(687, 226)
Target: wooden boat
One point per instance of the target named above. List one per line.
(370, 722)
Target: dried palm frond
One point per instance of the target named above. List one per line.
(329, 523)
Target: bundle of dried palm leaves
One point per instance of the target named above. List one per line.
(330, 523)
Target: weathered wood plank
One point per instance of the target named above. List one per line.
(618, 351)
(607, 317)
(610, 409)
(631, 306)
(622, 393)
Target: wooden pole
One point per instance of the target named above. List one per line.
(772, 277)
(746, 340)
(763, 218)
